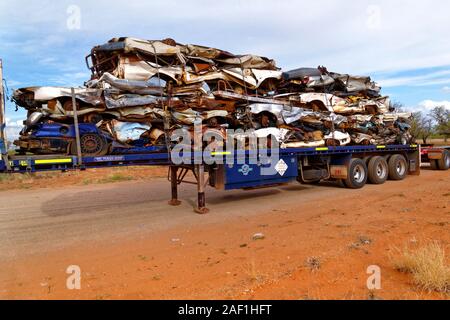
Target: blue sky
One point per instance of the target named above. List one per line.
(404, 45)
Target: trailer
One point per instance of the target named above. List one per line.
(437, 157)
(354, 166)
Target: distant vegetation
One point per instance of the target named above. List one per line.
(432, 125)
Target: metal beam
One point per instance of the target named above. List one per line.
(201, 198)
(3, 138)
(2, 106)
(77, 129)
(173, 172)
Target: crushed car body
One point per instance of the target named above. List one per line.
(142, 90)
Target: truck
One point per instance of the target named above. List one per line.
(353, 166)
(437, 156)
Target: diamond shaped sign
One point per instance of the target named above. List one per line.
(281, 167)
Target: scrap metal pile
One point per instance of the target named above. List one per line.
(141, 91)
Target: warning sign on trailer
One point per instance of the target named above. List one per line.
(281, 167)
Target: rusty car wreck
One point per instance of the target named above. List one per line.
(140, 91)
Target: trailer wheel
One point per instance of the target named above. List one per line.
(92, 145)
(357, 174)
(434, 165)
(398, 167)
(444, 163)
(378, 170)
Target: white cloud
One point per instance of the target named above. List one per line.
(13, 128)
(13, 122)
(13, 83)
(70, 79)
(446, 89)
(340, 34)
(433, 78)
(12, 133)
(78, 75)
(359, 37)
(428, 105)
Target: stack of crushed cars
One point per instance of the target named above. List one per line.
(141, 91)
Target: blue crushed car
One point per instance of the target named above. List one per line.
(57, 138)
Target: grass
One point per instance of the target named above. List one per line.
(5, 178)
(12, 152)
(112, 175)
(111, 178)
(253, 273)
(426, 264)
(116, 177)
(25, 180)
(23, 177)
(313, 263)
(142, 257)
(436, 140)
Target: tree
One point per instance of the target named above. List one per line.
(397, 106)
(421, 127)
(441, 115)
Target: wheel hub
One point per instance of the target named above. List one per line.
(401, 168)
(359, 174)
(91, 144)
(381, 170)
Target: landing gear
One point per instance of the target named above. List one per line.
(173, 171)
(201, 185)
(177, 176)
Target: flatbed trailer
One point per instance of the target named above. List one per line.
(354, 165)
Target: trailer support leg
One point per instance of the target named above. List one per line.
(174, 185)
(201, 203)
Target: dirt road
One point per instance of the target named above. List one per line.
(318, 240)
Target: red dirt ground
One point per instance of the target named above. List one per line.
(345, 231)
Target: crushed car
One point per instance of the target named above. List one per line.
(142, 90)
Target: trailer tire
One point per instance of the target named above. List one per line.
(398, 167)
(92, 145)
(434, 165)
(378, 170)
(444, 163)
(357, 174)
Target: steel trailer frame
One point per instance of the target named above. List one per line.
(204, 173)
(234, 172)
